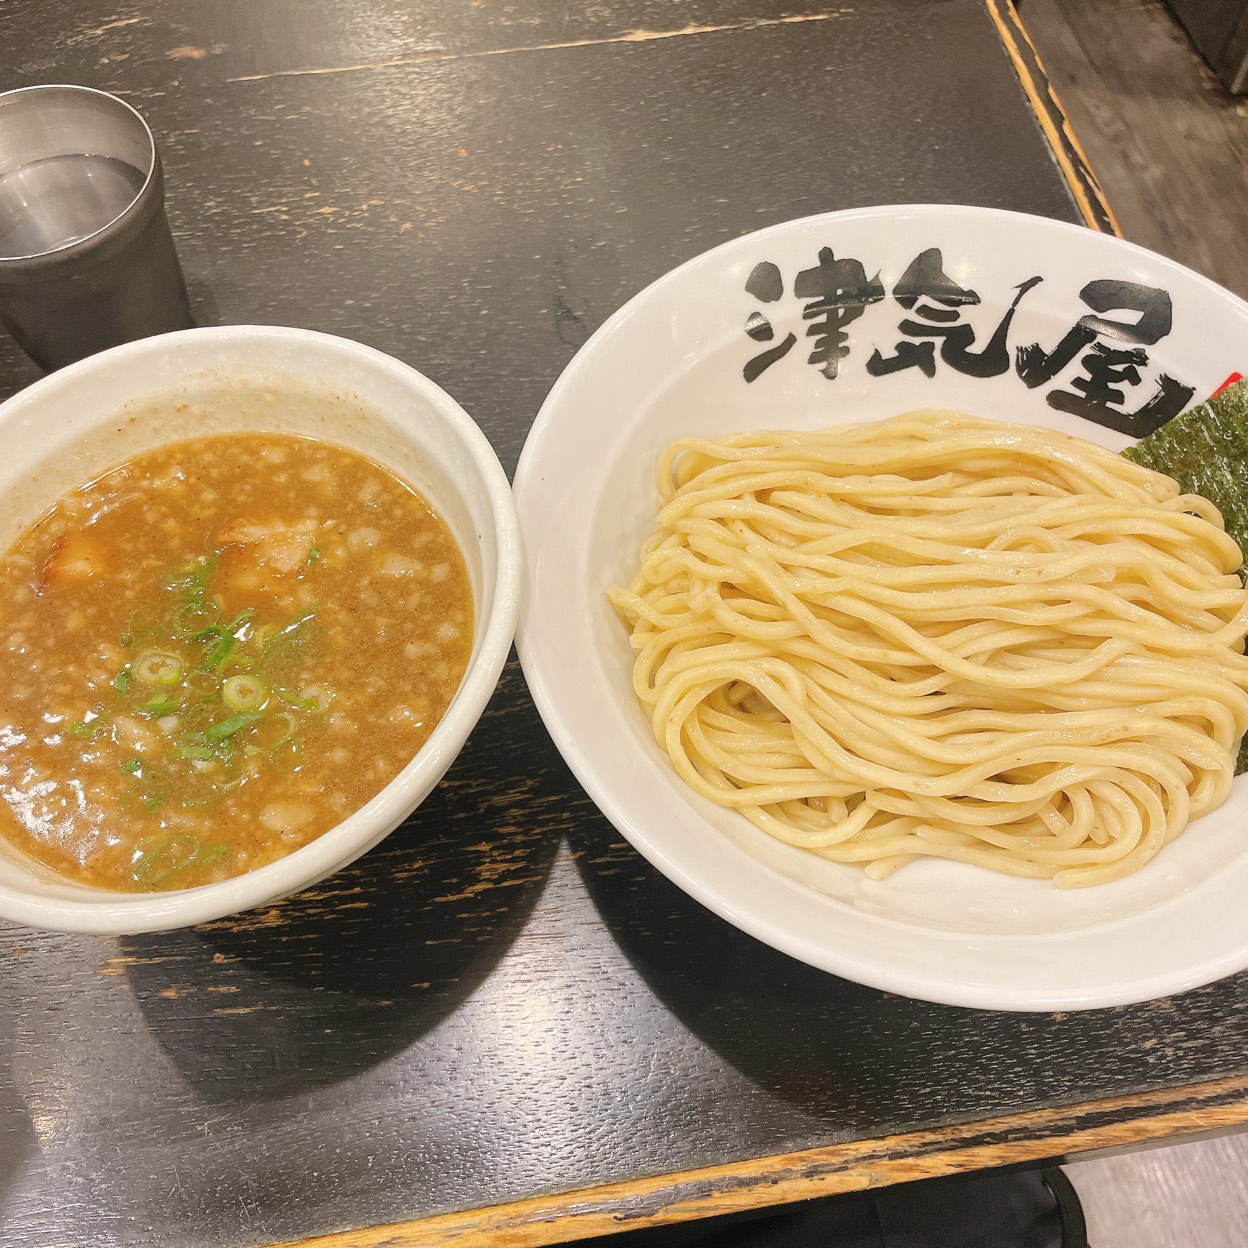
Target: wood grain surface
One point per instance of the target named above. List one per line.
(1067, 150)
(1165, 134)
(503, 1003)
(817, 1172)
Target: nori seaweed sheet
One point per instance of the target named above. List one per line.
(1206, 451)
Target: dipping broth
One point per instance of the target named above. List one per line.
(215, 652)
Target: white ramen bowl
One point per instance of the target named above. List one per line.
(67, 428)
(724, 344)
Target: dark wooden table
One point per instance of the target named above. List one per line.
(503, 1025)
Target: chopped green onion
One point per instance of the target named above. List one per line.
(304, 704)
(192, 579)
(160, 860)
(157, 667)
(195, 617)
(235, 779)
(190, 660)
(244, 693)
(147, 625)
(162, 704)
(286, 632)
(315, 698)
(217, 655)
(243, 617)
(224, 636)
(226, 728)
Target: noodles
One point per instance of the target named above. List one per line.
(939, 636)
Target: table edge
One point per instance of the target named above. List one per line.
(1067, 151)
(737, 1187)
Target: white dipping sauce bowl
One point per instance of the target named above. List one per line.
(71, 426)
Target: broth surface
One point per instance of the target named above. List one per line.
(214, 652)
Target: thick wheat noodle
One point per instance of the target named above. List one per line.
(939, 636)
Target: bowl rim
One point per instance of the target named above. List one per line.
(112, 913)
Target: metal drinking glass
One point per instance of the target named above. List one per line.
(86, 257)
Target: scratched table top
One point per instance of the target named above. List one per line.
(503, 1020)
